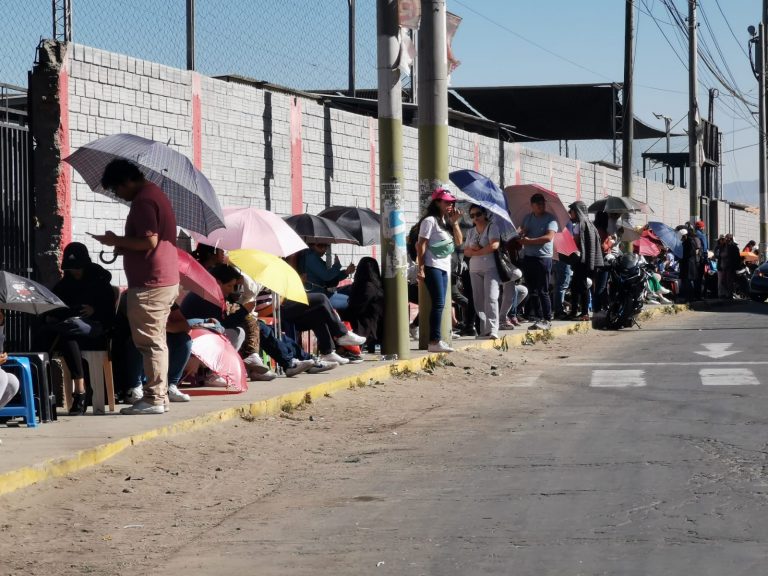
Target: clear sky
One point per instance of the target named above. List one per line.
(500, 42)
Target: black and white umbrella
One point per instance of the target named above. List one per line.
(362, 223)
(193, 199)
(619, 205)
(25, 295)
(318, 230)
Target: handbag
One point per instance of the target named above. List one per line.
(508, 272)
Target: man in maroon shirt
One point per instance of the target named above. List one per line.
(151, 265)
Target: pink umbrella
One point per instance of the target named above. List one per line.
(254, 228)
(196, 279)
(217, 353)
(646, 247)
(519, 204)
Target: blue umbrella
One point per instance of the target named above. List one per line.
(192, 197)
(668, 237)
(483, 192)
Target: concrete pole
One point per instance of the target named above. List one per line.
(628, 115)
(693, 108)
(433, 133)
(393, 229)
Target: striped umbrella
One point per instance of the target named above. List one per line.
(194, 202)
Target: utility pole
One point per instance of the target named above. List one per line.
(391, 179)
(693, 111)
(628, 114)
(351, 48)
(433, 133)
(190, 34)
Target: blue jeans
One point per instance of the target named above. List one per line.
(179, 351)
(563, 275)
(436, 281)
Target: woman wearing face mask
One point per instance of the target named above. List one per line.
(482, 241)
(439, 233)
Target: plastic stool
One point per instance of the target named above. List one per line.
(100, 374)
(27, 409)
(41, 380)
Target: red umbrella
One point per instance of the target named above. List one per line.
(196, 279)
(646, 247)
(217, 353)
(519, 204)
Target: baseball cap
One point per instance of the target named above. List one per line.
(444, 195)
(700, 224)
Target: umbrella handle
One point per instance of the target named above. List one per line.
(105, 260)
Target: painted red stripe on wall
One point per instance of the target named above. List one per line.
(197, 121)
(297, 184)
(64, 180)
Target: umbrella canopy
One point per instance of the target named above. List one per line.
(272, 272)
(217, 353)
(25, 295)
(668, 237)
(191, 194)
(619, 205)
(254, 228)
(646, 247)
(363, 224)
(195, 278)
(319, 230)
(482, 191)
(519, 203)
(750, 257)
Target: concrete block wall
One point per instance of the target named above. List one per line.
(243, 135)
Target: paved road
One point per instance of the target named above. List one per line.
(643, 453)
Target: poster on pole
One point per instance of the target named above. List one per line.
(395, 259)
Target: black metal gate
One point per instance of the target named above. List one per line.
(15, 202)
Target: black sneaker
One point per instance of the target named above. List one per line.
(351, 356)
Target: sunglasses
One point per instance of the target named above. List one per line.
(474, 215)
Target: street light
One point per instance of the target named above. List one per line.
(667, 131)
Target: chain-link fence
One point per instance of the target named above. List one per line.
(297, 43)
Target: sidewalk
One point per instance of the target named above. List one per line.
(30, 455)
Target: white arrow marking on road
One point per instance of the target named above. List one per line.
(728, 377)
(617, 378)
(717, 350)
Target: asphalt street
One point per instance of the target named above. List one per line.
(643, 452)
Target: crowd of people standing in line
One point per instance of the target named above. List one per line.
(500, 278)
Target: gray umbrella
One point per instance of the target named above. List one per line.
(619, 205)
(194, 202)
(318, 230)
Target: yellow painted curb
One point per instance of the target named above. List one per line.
(58, 467)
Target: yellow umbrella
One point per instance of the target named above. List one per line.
(271, 271)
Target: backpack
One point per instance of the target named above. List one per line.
(411, 240)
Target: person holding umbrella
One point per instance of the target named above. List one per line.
(439, 234)
(483, 239)
(150, 261)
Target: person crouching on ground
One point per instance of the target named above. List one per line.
(151, 266)
(482, 241)
(439, 234)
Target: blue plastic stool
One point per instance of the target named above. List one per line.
(27, 410)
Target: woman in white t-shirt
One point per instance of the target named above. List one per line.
(482, 241)
(439, 233)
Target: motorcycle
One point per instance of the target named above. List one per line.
(628, 284)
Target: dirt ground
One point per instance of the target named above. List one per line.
(129, 514)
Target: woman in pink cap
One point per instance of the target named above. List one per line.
(439, 233)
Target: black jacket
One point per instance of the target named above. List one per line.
(94, 289)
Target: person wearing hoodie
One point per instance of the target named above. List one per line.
(589, 260)
(87, 321)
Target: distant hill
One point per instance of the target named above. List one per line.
(745, 192)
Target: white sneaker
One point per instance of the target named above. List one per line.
(322, 366)
(135, 394)
(142, 407)
(267, 376)
(440, 347)
(664, 291)
(298, 367)
(254, 363)
(351, 339)
(215, 380)
(176, 395)
(333, 357)
(664, 300)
